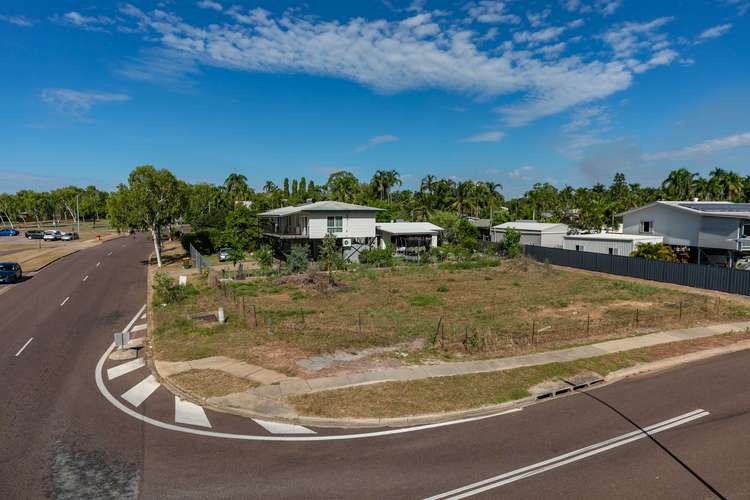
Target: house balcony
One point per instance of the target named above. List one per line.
(290, 232)
(743, 244)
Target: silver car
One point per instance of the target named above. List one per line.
(69, 236)
(52, 235)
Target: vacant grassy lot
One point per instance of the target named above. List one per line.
(397, 399)
(210, 383)
(485, 309)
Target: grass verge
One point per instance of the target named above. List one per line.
(442, 394)
(211, 383)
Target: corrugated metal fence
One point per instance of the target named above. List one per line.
(199, 260)
(695, 275)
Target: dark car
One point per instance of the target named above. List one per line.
(10, 272)
(34, 235)
(8, 232)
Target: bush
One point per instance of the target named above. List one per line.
(655, 251)
(298, 260)
(330, 255)
(264, 256)
(466, 235)
(378, 257)
(434, 255)
(167, 290)
(512, 242)
(206, 241)
(425, 299)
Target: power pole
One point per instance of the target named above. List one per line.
(78, 216)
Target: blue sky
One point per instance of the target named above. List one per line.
(565, 91)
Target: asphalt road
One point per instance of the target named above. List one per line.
(61, 438)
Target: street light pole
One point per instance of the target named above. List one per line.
(78, 216)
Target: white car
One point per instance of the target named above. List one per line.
(52, 235)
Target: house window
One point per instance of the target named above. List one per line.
(335, 224)
(745, 231)
(647, 226)
(579, 248)
(614, 251)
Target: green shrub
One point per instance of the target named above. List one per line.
(442, 288)
(206, 241)
(512, 243)
(378, 257)
(264, 256)
(297, 295)
(298, 260)
(167, 290)
(655, 251)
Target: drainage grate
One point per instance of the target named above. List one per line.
(568, 390)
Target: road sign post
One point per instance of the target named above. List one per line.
(122, 339)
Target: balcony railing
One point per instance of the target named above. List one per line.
(743, 244)
(286, 230)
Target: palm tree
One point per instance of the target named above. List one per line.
(236, 186)
(679, 184)
(269, 187)
(343, 186)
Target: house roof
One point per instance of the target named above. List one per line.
(712, 208)
(408, 228)
(319, 206)
(613, 237)
(480, 223)
(548, 227)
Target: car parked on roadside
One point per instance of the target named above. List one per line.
(224, 254)
(10, 272)
(34, 234)
(8, 232)
(52, 235)
(69, 236)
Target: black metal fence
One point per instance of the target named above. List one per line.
(695, 275)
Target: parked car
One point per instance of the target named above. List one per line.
(10, 272)
(224, 254)
(52, 235)
(69, 236)
(8, 232)
(34, 234)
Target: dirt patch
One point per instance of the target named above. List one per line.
(211, 383)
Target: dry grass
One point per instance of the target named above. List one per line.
(211, 383)
(486, 312)
(397, 399)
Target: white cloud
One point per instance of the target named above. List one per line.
(89, 23)
(585, 129)
(520, 172)
(78, 102)
(210, 4)
(603, 7)
(493, 136)
(378, 139)
(490, 12)
(18, 21)
(537, 19)
(715, 31)
(425, 51)
(704, 148)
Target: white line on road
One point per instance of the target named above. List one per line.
(124, 368)
(98, 264)
(280, 428)
(141, 391)
(574, 456)
(138, 328)
(24, 346)
(110, 253)
(85, 277)
(143, 316)
(64, 301)
(189, 413)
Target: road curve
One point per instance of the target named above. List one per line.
(62, 439)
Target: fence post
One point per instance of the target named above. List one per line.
(244, 312)
(359, 323)
(255, 317)
(588, 323)
(636, 317)
(533, 331)
(680, 310)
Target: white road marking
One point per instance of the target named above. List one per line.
(143, 316)
(574, 456)
(138, 328)
(5, 289)
(98, 264)
(254, 437)
(24, 346)
(119, 370)
(64, 301)
(280, 428)
(110, 253)
(85, 277)
(189, 413)
(141, 391)
(135, 318)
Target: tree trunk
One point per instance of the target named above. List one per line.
(157, 248)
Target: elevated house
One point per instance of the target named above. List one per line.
(483, 225)
(533, 233)
(707, 232)
(352, 225)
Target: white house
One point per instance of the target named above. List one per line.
(608, 243)
(704, 231)
(352, 225)
(533, 233)
(408, 237)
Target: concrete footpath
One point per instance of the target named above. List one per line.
(268, 399)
